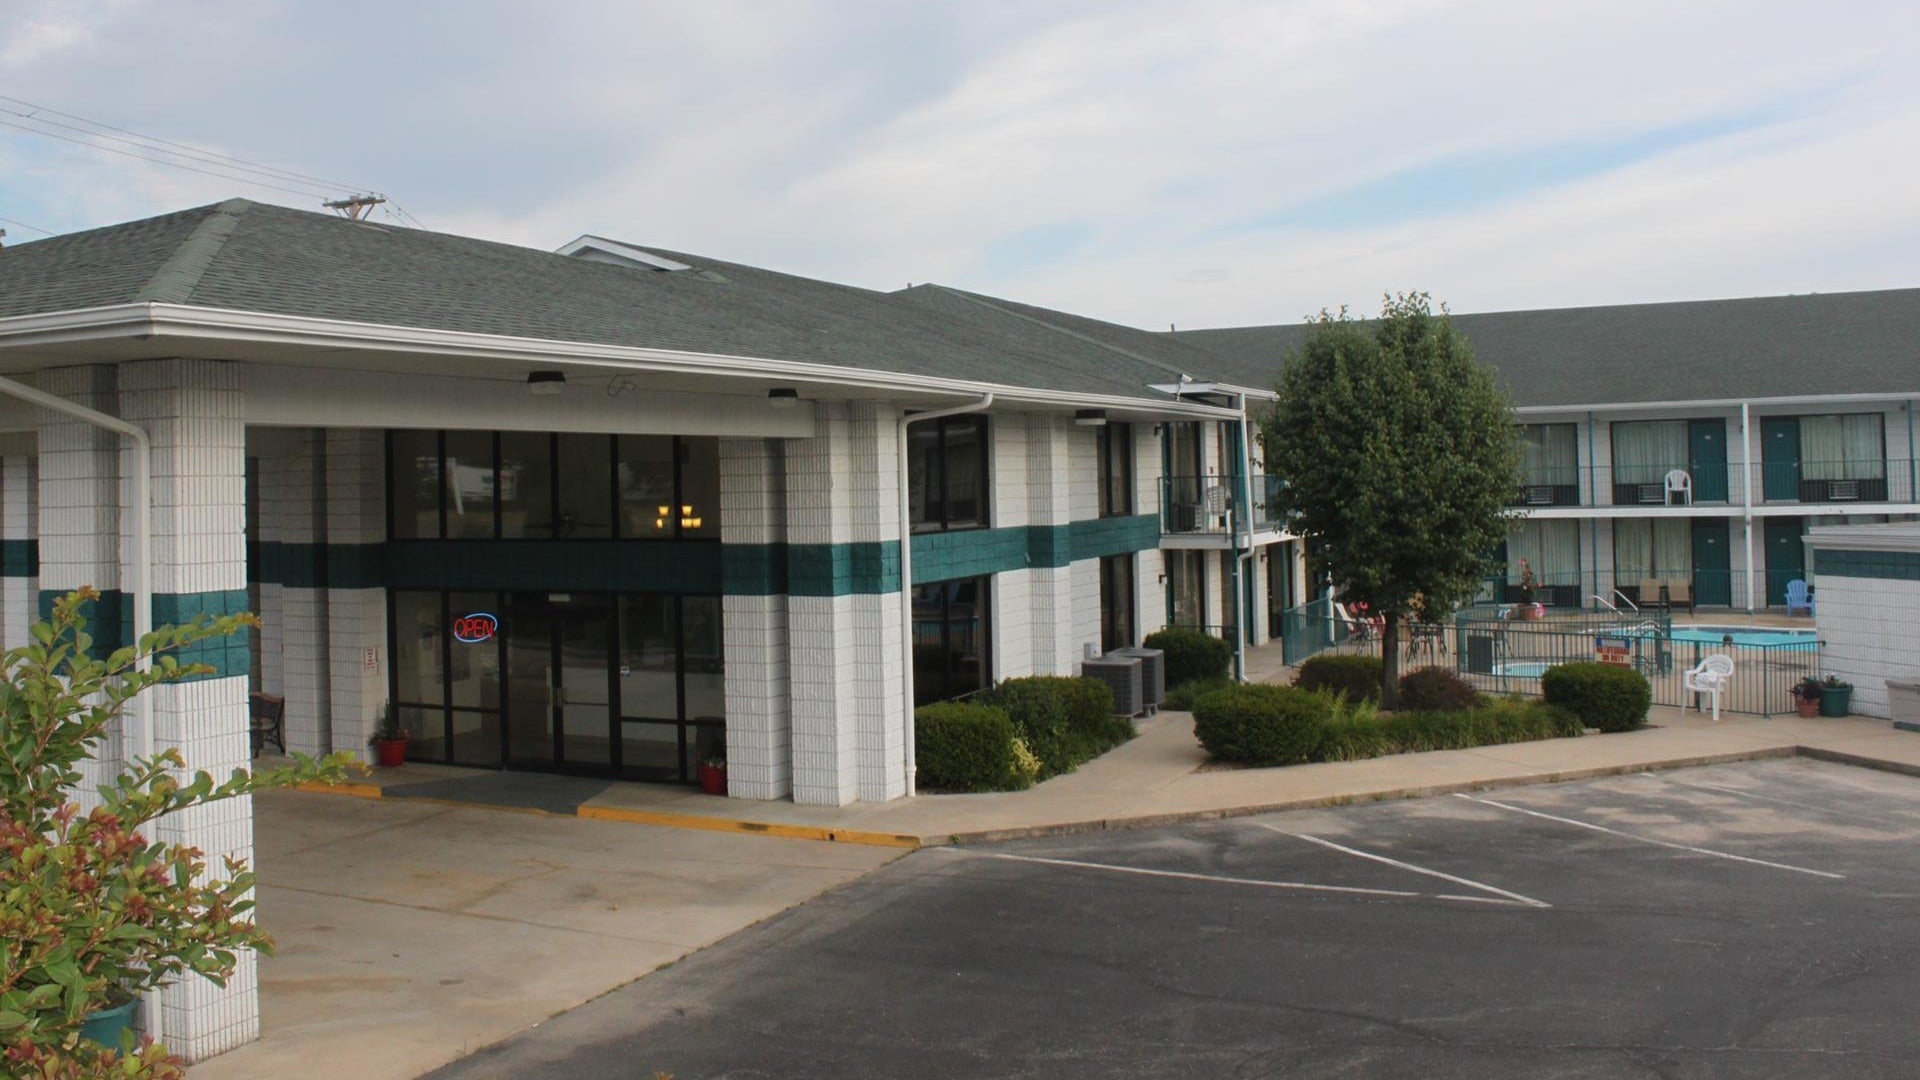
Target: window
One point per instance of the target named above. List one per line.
(1549, 465)
(521, 485)
(1551, 548)
(1186, 589)
(951, 629)
(947, 474)
(1659, 548)
(1116, 602)
(1850, 447)
(1116, 470)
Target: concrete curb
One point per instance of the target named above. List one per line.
(757, 828)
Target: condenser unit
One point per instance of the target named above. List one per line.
(1153, 673)
(1122, 674)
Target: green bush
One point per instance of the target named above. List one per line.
(1063, 720)
(1434, 689)
(1191, 655)
(1181, 698)
(1090, 712)
(1599, 695)
(1356, 735)
(1261, 725)
(1358, 677)
(964, 746)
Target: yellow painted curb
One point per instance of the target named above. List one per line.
(358, 791)
(757, 828)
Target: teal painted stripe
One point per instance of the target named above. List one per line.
(1890, 565)
(19, 558)
(940, 556)
(110, 622)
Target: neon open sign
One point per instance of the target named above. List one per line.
(475, 628)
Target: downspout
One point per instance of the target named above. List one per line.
(1913, 462)
(141, 567)
(906, 568)
(1592, 497)
(1243, 556)
(1746, 494)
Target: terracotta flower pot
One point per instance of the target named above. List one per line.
(713, 779)
(1807, 706)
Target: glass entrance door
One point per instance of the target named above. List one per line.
(560, 676)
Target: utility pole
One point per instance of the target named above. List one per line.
(355, 208)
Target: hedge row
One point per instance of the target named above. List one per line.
(1191, 655)
(1018, 732)
(1286, 725)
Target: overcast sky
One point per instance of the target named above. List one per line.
(1196, 163)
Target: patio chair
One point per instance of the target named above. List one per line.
(1358, 629)
(1710, 677)
(267, 719)
(1680, 591)
(1650, 593)
(1679, 482)
(1799, 597)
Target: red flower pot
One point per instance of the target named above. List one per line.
(390, 752)
(1807, 706)
(713, 779)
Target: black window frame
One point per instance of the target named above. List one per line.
(983, 592)
(681, 453)
(1115, 445)
(1119, 624)
(938, 494)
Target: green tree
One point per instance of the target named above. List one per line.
(92, 911)
(1400, 458)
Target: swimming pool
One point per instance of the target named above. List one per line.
(1524, 669)
(1745, 635)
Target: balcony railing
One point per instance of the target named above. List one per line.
(1209, 505)
(1695, 483)
(1623, 587)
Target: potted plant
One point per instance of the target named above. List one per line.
(713, 769)
(1806, 696)
(389, 740)
(1835, 696)
(1528, 583)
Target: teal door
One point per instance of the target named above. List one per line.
(1707, 454)
(1712, 563)
(1780, 459)
(1786, 557)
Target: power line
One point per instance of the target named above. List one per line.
(192, 151)
(24, 225)
(160, 161)
(30, 118)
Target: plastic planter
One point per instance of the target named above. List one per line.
(1834, 700)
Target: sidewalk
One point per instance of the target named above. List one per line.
(1153, 780)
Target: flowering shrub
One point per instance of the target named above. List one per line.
(92, 912)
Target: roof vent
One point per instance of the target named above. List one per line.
(596, 249)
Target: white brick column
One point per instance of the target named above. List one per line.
(355, 467)
(19, 588)
(192, 411)
(1050, 590)
(753, 512)
(1011, 607)
(292, 516)
(874, 517)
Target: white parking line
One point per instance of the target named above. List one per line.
(1296, 886)
(1650, 840)
(1358, 854)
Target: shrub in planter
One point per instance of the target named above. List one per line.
(1191, 655)
(1435, 689)
(94, 912)
(1599, 695)
(1090, 706)
(1039, 714)
(964, 746)
(1261, 725)
(1181, 698)
(1358, 677)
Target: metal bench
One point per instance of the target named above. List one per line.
(267, 719)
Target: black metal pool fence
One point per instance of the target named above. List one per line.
(1508, 656)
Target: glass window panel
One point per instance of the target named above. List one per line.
(1116, 602)
(413, 484)
(699, 487)
(469, 484)
(426, 732)
(476, 738)
(474, 664)
(645, 476)
(704, 741)
(587, 713)
(649, 655)
(651, 751)
(586, 487)
(418, 639)
(706, 680)
(526, 485)
(923, 476)
(966, 472)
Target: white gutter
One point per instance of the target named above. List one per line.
(1746, 494)
(219, 324)
(906, 572)
(1243, 557)
(141, 566)
(1721, 403)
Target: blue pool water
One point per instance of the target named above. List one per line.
(1524, 669)
(1744, 635)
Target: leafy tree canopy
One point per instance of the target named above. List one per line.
(1400, 458)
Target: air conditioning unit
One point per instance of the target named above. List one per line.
(1153, 673)
(1122, 675)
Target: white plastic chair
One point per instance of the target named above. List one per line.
(1679, 482)
(1710, 677)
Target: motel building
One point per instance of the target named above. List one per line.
(609, 509)
(598, 511)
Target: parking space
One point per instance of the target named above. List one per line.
(1752, 920)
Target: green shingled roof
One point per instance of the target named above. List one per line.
(256, 257)
(1704, 350)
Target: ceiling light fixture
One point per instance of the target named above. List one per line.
(1090, 417)
(783, 397)
(546, 383)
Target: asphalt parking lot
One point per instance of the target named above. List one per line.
(1752, 920)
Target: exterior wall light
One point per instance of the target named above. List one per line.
(783, 397)
(1090, 417)
(546, 383)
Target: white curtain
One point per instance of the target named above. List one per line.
(1551, 548)
(1850, 447)
(1645, 450)
(1547, 454)
(1656, 548)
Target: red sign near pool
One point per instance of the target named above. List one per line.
(475, 628)
(1617, 651)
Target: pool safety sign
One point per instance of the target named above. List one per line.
(1617, 651)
